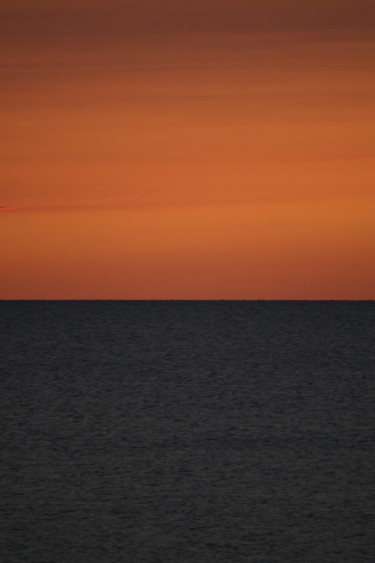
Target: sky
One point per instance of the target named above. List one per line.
(187, 149)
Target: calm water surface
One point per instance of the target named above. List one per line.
(187, 431)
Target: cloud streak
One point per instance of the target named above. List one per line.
(89, 20)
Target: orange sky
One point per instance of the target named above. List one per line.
(187, 150)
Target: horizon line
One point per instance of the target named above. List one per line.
(189, 300)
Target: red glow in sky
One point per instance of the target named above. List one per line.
(194, 150)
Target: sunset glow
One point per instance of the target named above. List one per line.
(187, 150)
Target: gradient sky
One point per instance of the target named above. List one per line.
(190, 149)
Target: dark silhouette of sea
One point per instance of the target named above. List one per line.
(187, 431)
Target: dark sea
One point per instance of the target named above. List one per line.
(187, 431)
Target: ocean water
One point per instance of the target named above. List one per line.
(182, 431)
